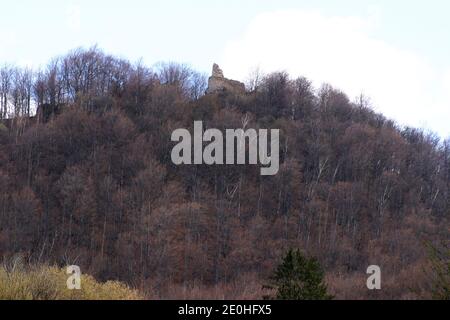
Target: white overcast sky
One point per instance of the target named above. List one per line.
(395, 52)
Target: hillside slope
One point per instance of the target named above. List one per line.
(92, 182)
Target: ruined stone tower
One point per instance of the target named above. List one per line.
(218, 83)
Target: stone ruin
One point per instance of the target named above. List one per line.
(218, 83)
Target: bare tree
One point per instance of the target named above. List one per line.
(6, 77)
(254, 79)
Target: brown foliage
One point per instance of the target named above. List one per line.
(94, 184)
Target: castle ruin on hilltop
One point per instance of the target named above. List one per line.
(218, 83)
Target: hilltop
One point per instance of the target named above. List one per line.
(89, 179)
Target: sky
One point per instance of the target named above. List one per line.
(395, 52)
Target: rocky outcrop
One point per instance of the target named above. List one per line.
(218, 83)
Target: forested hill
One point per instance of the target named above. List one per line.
(89, 181)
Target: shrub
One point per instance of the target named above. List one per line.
(50, 283)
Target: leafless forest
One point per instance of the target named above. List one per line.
(88, 180)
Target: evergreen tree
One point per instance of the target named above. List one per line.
(299, 278)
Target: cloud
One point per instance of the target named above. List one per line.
(74, 18)
(341, 51)
(9, 40)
